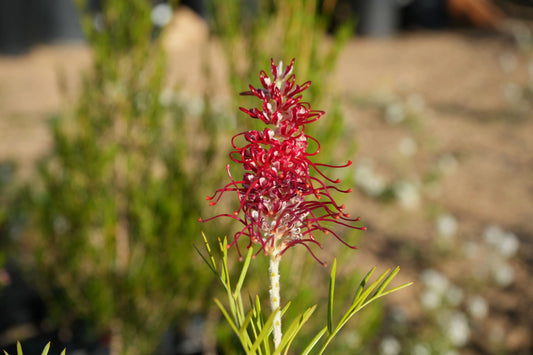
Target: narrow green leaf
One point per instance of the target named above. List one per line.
(387, 281)
(359, 298)
(265, 332)
(287, 335)
(314, 341)
(396, 289)
(244, 326)
(211, 262)
(224, 273)
(384, 294)
(331, 295)
(19, 348)
(362, 299)
(244, 270)
(63, 352)
(257, 305)
(226, 315)
(285, 308)
(5, 353)
(205, 260)
(209, 252)
(363, 284)
(255, 330)
(260, 323)
(370, 289)
(293, 329)
(46, 349)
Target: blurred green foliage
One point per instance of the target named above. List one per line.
(253, 32)
(117, 202)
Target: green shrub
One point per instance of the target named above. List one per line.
(117, 200)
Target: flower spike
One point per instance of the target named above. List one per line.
(280, 204)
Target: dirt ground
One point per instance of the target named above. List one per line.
(458, 96)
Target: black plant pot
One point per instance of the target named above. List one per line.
(378, 18)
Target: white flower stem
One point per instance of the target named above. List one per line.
(274, 297)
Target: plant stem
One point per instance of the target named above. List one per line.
(275, 298)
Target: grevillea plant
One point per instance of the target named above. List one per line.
(285, 199)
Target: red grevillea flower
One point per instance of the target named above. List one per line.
(281, 203)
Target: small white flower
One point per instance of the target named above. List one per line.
(478, 307)
(161, 14)
(457, 329)
(407, 147)
(509, 245)
(390, 346)
(505, 243)
(407, 194)
(421, 349)
(503, 274)
(431, 300)
(492, 235)
(367, 179)
(435, 280)
(394, 113)
(166, 97)
(446, 226)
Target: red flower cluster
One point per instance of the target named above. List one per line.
(281, 204)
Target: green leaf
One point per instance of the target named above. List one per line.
(331, 295)
(361, 299)
(260, 322)
(314, 341)
(396, 289)
(226, 315)
(293, 329)
(46, 349)
(211, 262)
(19, 348)
(224, 273)
(244, 270)
(63, 352)
(244, 326)
(265, 332)
(387, 281)
(363, 284)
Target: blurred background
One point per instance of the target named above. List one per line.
(115, 120)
